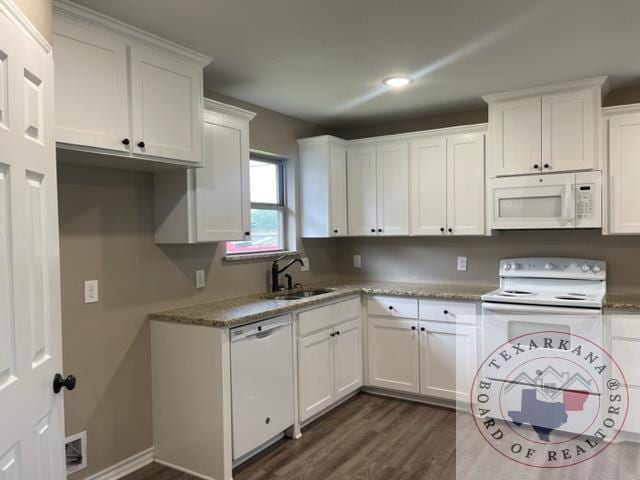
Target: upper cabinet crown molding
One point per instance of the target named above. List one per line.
(13, 13)
(79, 12)
(213, 107)
(601, 82)
(460, 129)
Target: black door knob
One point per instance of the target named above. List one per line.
(332, 334)
(546, 165)
(449, 230)
(141, 144)
(373, 230)
(390, 307)
(247, 234)
(446, 312)
(422, 329)
(337, 332)
(59, 383)
(335, 231)
(442, 229)
(535, 167)
(413, 328)
(125, 141)
(380, 230)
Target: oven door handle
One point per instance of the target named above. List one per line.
(500, 307)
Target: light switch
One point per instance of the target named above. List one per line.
(91, 291)
(462, 264)
(306, 266)
(357, 261)
(200, 280)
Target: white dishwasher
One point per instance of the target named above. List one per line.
(261, 382)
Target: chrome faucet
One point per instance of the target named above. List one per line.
(275, 271)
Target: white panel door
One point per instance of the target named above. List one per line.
(338, 190)
(515, 129)
(315, 373)
(31, 418)
(347, 357)
(222, 187)
(394, 354)
(166, 98)
(448, 359)
(465, 184)
(428, 174)
(392, 162)
(92, 99)
(361, 190)
(568, 131)
(624, 173)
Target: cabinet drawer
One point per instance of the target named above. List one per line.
(627, 326)
(448, 311)
(393, 306)
(327, 316)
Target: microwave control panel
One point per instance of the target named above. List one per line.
(588, 199)
(585, 201)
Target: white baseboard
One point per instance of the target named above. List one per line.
(125, 467)
(184, 470)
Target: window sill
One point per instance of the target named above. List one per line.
(259, 256)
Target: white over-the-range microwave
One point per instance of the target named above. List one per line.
(552, 200)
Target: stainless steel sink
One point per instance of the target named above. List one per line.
(302, 294)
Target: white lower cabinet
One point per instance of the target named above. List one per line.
(329, 360)
(448, 359)
(394, 354)
(625, 349)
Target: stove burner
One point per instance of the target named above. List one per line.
(571, 296)
(515, 293)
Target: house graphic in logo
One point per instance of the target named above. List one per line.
(548, 397)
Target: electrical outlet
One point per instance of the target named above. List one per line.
(357, 261)
(462, 264)
(91, 291)
(306, 266)
(200, 280)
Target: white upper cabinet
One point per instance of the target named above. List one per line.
(555, 128)
(361, 190)
(624, 172)
(211, 203)
(92, 100)
(447, 184)
(323, 187)
(124, 92)
(465, 184)
(392, 164)
(166, 100)
(428, 186)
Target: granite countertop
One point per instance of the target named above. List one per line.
(242, 310)
(622, 301)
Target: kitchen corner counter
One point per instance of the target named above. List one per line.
(251, 308)
(622, 301)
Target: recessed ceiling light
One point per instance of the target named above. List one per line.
(398, 81)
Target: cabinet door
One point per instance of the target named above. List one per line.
(166, 97)
(448, 360)
(465, 184)
(568, 131)
(315, 373)
(394, 354)
(624, 173)
(361, 191)
(92, 101)
(347, 358)
(516, 139)
(392, 164)
(222, 196)
(338, 190)
(428, 186)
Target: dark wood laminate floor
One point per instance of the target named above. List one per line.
(368, 437)
(378, 438)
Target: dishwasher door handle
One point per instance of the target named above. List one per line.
(266, 333)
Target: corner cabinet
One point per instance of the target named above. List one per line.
(124, 92)
(548, 129)
(211, 203)
(447, 184)
(323, 187)
(624, 169)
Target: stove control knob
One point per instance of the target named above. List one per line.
(507, 266)
(595, 269)
(586, 268)
(548, 266)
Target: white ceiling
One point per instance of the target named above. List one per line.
(323, 60)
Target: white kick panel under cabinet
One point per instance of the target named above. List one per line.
(624, 172)
(447, 185)
(549, 129)
(123, 92)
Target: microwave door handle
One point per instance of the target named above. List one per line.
(570, 203)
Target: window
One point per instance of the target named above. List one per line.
(267, 208)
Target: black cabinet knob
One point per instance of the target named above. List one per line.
(373, 230)
(449, 230)
(546, 165)
(141, 144)
(390, 307)
(125, 141)
(413, 328)
(380, 230)
(337, 332)
(535, 167)
(442, 229)
(335, 231)
(332, 334)
(59, 382)
(446, 312)
(422, 329)
(247, 234)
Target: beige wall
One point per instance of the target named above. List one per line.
(40, 13)
(106, 233)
